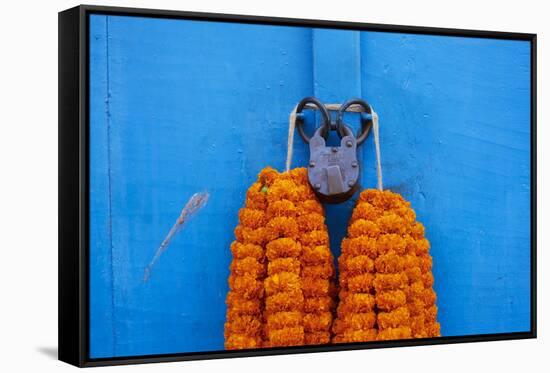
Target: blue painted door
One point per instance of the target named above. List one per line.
(178, 107)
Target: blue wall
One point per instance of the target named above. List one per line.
(177, 107)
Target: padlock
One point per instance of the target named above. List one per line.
(333, 171)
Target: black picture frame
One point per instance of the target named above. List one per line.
(74, 183)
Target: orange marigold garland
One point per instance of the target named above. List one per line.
(244, 301)
(281, 282)
(385, 274)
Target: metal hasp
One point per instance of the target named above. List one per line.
(333, 171)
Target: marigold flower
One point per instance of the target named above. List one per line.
(419, 247)
(316, 255)
(427, 279)
(283, 207)
(242, 251)
(406, 213)
(417, 231)
(402, 332)
(385, 200)
(240, 306)
(355, 321)
(359, 264)
(314, 238)
(411, 261)
(246, 324)
(268, 176)
(240, 341)
(283, 226)
(315, 287)
(433, 329)
(305, 192)
(429, 296)
(390, 281)
(365, 211)
(391, 242)
(393, 319)
(284, 247)
(355, 303)
(252, 218)
(258, 236)
(322, 271)
(416, 306)
(281, 282)
(361, 283)
(255, 199)
(247, 286)
(391, 223)
(363, 335)
(415, 274)
(389, 263)
(318, 321)
(291, 336)
(363, 227)
(282, 189)
(415, 290)
(425, 263)
(279, 265)
(310, 222)
(299, 176)
(319, 304)
(418, 324)
(280, 320)
(385, 274)
(284, 301)
(431, 313)
(247, 266)
(362, 245)
(317, 338)
(309, 206)
(390, 300)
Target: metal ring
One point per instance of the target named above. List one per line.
(349, 131)
(325, 121)
(366, 124)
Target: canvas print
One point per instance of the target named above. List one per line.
(256, 186)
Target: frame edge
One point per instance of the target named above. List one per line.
(73, 305)
(305, 22)
(70, 275)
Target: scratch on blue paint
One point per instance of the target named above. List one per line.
(194, 204)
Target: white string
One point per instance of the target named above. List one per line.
(290, 139)
(376, 130)
(352, 108)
